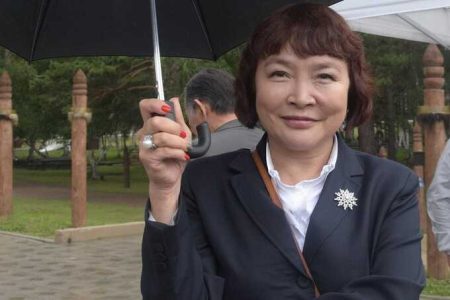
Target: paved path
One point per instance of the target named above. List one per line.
(33, 269)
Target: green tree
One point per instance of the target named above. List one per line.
(42, 93)
(397, 68)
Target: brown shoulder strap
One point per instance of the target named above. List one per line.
(276, 200)
(265, 177)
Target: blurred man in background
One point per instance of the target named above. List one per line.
(438, 202)
(209, 96)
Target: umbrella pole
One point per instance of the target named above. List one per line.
(156, 54)
(204, 135)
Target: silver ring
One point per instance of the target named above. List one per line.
(148, 143)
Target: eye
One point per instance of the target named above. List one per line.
(326, 77)
(278, 74)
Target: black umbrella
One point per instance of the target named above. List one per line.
(37, 29)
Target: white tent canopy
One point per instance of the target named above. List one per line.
(417, 20)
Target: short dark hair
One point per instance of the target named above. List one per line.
(214, 86)
(309, 29)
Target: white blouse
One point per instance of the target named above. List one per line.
(299, 200)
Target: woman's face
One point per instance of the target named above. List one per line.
(301, 102)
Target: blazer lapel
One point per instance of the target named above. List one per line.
(327, 215)
(270, 219)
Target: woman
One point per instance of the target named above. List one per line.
(216, 234)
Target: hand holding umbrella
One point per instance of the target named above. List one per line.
(204, 134)
(165, 158)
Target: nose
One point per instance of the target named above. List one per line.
(301, 93)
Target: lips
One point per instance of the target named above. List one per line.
(298, 122)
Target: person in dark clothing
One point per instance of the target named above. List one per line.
(210, 97)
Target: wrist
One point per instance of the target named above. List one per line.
(164, 202)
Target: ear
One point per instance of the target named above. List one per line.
(203, 107)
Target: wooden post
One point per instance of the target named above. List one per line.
(7, 117)
(79, 116)
(432, 115)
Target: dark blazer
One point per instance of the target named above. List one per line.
(231, 242)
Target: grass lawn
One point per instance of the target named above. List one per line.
(112, 182)
(39, 217)
(437, 287)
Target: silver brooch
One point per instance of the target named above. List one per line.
(345, 199)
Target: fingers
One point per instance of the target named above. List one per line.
(178, 112)
(151, 112)
(161, 154)
(168, 140)
(171, 137)
(150, 107)
(168, 146)
(162, 124)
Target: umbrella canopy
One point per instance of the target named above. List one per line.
(37, 29)
(417, 20)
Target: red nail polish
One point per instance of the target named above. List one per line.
(166, 108)
(186, 156)
(183, 134)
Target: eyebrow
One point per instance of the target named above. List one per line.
(277, 60)
(326, 65)
(287, 62)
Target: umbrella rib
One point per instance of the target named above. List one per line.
(422, 29)
(202, 24)
(37, 28)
